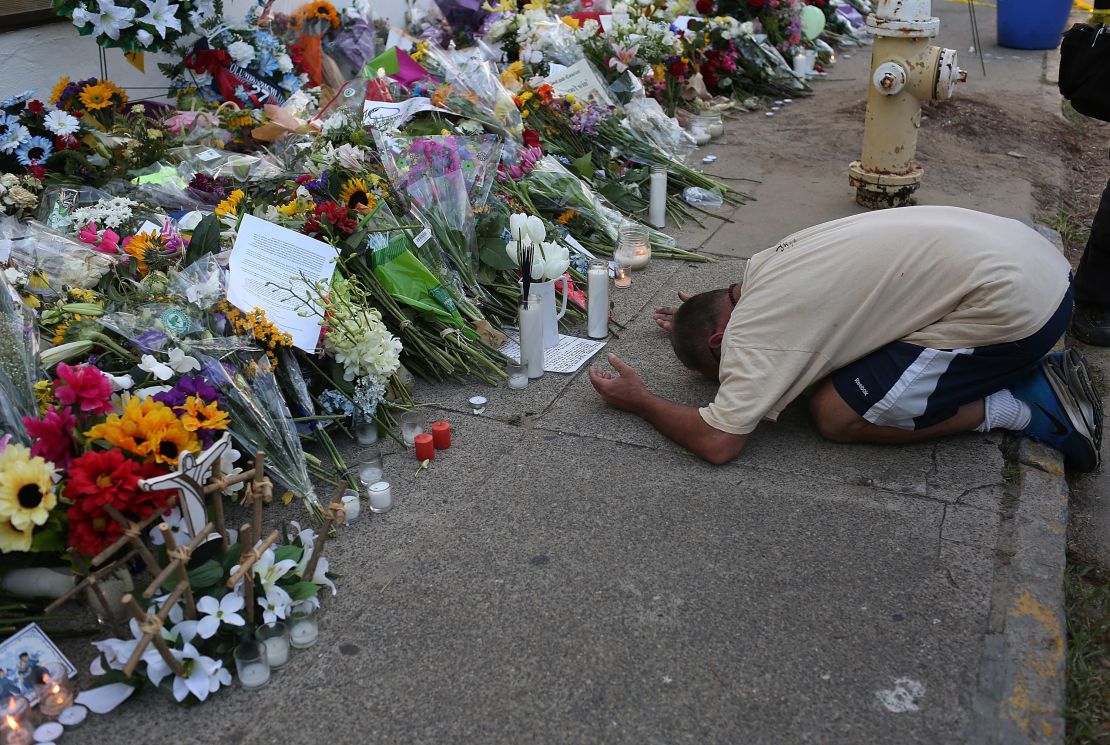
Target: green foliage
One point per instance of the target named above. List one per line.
(1087, 708)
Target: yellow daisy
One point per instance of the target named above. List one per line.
(15, 540)
(230, 206)
(98, 96)
(26, 488)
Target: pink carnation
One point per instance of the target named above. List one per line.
(84, 387)
(52, 434)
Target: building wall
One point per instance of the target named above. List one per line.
(38, 57)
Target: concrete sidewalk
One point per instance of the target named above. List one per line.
(564, 574)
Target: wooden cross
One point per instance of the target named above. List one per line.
(179, 561)
(218, 484)
(248, 557)
(260, 491)
(133, 534)
(335, 515)
(189, 479)
(91, 580)
(150, 624)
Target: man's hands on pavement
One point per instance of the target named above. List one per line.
(665, 316)
(624, 390)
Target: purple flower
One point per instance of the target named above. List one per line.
(189, 385)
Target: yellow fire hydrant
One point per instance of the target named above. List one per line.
(905, 70)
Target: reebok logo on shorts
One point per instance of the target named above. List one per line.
(862, 387)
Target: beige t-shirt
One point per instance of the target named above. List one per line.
(940, 277)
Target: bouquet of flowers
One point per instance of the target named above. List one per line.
(139, 25)
(283, 581)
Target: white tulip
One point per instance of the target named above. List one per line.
(517, 225)
(536, 229)
(557, 260)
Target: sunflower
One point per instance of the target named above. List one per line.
(167, 445)
(26, 488)
(230, 206)
(290, 209)
(143, 247)
(116, 91)
(321, 10)
(59, 89)
(97, 96)
(15, 540)
(60, 333)
(355, 194)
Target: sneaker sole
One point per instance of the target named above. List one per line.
(1070, 379)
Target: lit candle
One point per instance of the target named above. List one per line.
(276, 638)
(303, 629)
(351, 507)
(381, 497)
(441, 435)
(425, 448)
(800, 65)
(622, 276)
(56, 692)
(15, 730)
(597, 300)
(657, 209)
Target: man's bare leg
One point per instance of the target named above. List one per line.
(838, 421)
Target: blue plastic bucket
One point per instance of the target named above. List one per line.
(1032, 24)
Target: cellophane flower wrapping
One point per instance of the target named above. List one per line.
(19, 349)
(57, 260)
(472, 76)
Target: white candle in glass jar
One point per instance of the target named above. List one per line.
(381, 497)
(254, 675)
(277, 651)
(657, 207)
(351, 508)
(303, 631)
(597, 300)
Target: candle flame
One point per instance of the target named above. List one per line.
(12, 722)
(56, 689)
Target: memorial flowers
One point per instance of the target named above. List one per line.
(138, 25)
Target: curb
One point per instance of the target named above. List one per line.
(1020, 693)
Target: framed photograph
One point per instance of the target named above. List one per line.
(22, 658)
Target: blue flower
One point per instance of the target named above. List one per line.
(290, 82)
(267, 64)
(14, 100)
(242, 95)
(35, 150)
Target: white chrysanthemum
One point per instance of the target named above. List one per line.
(61, 123)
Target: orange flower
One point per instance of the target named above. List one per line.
(196, 414)
(132, 431)
(143, 247)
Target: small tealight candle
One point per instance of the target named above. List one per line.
(381, 497)
(303, 628)
(275, 636)
(48, 732)
(56, 690)
(477, 404)
(74, 716)
(441, 435)
(425, 447)
(351, 507)
(622, 276)
(518, 378)
(14, 725)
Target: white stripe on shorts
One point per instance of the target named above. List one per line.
(908, 398)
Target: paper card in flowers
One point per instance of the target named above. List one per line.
(138, 25)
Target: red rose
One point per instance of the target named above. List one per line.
(705, 7)
(37, 171)
(35, 106)
(531, 138)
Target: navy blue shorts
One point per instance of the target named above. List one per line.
(913, 387)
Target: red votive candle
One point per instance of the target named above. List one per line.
(441, 435)
(425, 450)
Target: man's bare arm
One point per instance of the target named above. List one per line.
(682, 424)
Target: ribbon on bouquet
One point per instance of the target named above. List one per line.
(227, 78)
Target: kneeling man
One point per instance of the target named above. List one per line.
(908, 324)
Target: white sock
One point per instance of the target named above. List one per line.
(1004, 411)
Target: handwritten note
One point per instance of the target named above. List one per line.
(267, 261)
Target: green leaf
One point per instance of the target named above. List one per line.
(302, 591)
(205, 240)
(584, 166)
(208, 574)
(288, 552)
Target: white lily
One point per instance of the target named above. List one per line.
(203, 675)
(162, 15)
(144, 37)
(81, 16)
(121, 382)
(110, 19)
(275, 604)
(115, 652)
(150, 364)
(181, 362)
(269, 572)
(218, 612)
